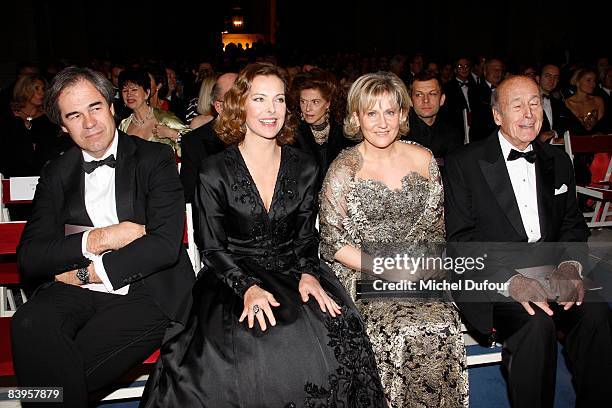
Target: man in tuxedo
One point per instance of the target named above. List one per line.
(105, 246)
(555, 113)
(482, 119)
(203, 142)
(426, 127)
(459, 94)
(511, 188)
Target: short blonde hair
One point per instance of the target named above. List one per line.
(206, 99)
(365, 93)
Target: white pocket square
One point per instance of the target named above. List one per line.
(561, 190)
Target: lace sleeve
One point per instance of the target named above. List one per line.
(333, 213)
(436, 202)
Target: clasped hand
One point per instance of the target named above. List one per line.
(101, 240)
(565, 280)
(264, 300)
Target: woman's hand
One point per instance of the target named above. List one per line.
(164, 132)
(257, 302)
(309, 285)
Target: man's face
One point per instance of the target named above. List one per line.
(607, 82)
(224, 82)
(115, 71)
(87, 117)
(494, 71)
(426, 98)
(519, 112)
(416, 65)
(204, 69)
(171, 75)
(463, 69)
(549, 79)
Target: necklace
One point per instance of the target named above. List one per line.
(141, 122)
(320, 132)
(28, 119)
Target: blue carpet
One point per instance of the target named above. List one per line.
(488, 386)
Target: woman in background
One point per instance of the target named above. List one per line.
(206, 110)
(146, 121)
(319, 132)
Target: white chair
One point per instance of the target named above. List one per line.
(192, 248)
(466, 127)
(601, 195)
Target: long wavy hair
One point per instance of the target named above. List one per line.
(24, 89)
(231, 127)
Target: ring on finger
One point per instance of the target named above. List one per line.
(256, 309)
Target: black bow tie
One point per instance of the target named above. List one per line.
(463, 83)
(92, 165)
(529, 156)
(545, 96)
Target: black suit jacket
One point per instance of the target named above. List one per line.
(455, 103)
(147, 191)
(440, 138)
(560, 115)
(196, 146)
(482, 123)
(481, 207)
(326, 153)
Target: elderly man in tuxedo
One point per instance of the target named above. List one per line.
(511, 188)
(104, 246)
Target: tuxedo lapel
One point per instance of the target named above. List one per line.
(74, 185)
(545, 187)
(495, 172)
(125, 178)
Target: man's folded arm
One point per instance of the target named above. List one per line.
(159, 249)
(44, 250)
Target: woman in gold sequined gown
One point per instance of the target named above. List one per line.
(389, 192)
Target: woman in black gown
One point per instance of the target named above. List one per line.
(268, 327)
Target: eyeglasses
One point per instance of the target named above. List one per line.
(462, 66)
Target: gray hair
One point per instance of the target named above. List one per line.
(69, 77)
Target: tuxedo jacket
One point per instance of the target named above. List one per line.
(147, 192)
(196, 146)
(482, 116)
(440, 138)
(455, 102)
(560, 115)
(481, 207)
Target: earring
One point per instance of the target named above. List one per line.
(301, 115)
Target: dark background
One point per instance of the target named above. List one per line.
(525, 31)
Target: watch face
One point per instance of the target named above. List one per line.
(83, 275)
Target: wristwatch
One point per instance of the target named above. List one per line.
(83, 275)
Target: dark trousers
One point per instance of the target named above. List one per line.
(82, 340)
(530, 352)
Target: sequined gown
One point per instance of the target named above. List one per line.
(308, 359)
(418, 345)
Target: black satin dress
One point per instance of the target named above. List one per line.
(308, 359)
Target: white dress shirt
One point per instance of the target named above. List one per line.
(101, 207)
(464, 89)
(548, 110)
(523, 179)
